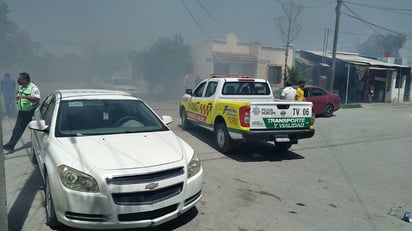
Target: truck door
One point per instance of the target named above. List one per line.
(208, 102)
(193, 109)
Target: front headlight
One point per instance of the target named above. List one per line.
(194, 166)
(76, 180)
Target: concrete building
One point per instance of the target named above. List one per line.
(230, 56)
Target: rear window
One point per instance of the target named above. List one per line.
(245, 88)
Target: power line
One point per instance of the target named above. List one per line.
(401, 11)
(369, 24)
(194, 19)
(353, 33)
(210, 15)
(330, 2)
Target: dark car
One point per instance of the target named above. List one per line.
(324, 101)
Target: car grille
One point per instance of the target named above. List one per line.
(155, 176)
(147, 215)
(147, 197)
(86, 217)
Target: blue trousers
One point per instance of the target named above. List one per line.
(23, 118)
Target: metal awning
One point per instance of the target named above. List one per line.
(355, 59)
(226, 57)
(381, 68)
(303, 61)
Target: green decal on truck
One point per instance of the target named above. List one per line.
(287, 123)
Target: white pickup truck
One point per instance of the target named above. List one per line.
(238, 108)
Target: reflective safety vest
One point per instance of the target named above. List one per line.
(24, 104)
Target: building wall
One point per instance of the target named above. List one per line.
(231, 45)
(272, 56)
(202, 56)
(396, 94)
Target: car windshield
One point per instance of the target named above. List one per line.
(97, 117)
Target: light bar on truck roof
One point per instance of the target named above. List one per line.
(229, 76)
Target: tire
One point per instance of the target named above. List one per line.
(328, 110)
(222, 138)
(185, 122)
(32, 155)
(284, 146)
(51, 218)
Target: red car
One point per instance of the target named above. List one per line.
(324, 101)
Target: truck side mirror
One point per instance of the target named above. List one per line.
(189, 91)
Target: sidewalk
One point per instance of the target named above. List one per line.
(24, 186)
(381, 104)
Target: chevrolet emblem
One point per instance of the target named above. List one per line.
(151, 186)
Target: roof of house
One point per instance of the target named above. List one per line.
(354, 58)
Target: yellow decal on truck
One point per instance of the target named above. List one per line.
(199, 111)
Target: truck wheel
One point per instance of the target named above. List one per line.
(183, 116)
(284, 146)
(222, 138)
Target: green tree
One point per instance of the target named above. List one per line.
(376, 45)
(165, 63)
(295, 75)
(15, 45)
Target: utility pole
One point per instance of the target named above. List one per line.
(335, 42)
(325, 44)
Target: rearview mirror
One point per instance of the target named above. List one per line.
(189, 91)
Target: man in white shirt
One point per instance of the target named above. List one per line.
(288, 92)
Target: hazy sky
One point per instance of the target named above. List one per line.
(65, 26)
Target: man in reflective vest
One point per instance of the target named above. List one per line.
(27, 99)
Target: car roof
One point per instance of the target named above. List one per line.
(70, 94)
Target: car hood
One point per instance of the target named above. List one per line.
(123, 151)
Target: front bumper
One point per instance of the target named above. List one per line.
(122, 206)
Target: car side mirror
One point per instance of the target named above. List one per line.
(39, 125)
(167, 119)
(189, 91)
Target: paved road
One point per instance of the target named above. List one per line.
(354, 174)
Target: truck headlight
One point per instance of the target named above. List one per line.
(76, 180)
(193, 166)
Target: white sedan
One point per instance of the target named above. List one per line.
(108, 161)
